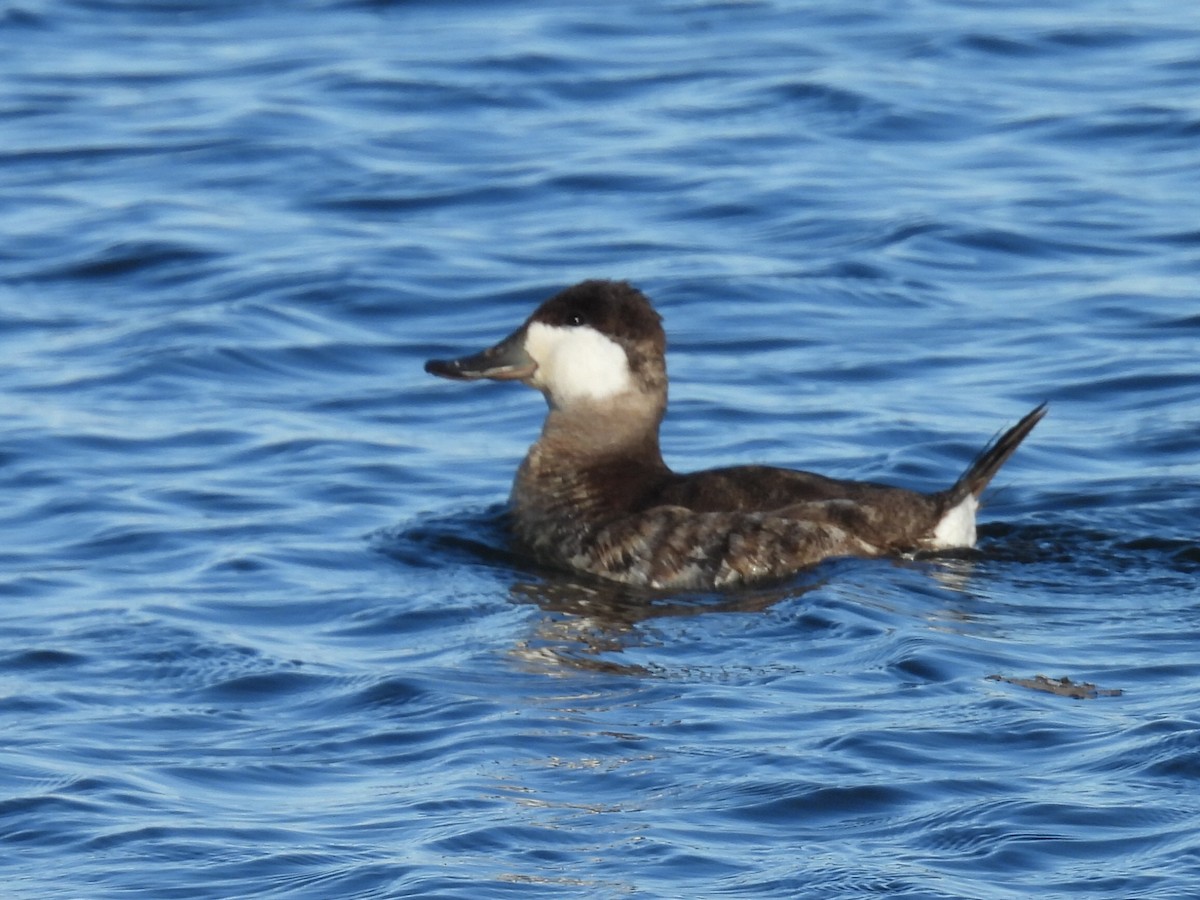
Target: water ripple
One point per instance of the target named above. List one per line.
(265, 632)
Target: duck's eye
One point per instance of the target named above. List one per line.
(574, 319)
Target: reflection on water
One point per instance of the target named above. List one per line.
(586, 621)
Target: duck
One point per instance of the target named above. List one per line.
(593, 495)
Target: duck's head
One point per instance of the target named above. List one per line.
(591, 344)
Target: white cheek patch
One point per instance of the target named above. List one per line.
(956, 528)
(577, 363)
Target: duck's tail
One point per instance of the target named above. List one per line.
(992, 457)
(956, 524)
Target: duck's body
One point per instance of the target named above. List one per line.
(594, 495)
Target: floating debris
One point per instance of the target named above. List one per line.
(1061, 687)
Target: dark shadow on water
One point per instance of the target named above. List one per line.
(478, 538)
(1090, 551)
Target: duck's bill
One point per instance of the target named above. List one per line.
(507, 361)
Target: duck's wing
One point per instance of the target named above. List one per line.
(672, 547)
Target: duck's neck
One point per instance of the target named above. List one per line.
(599, 430)
(592, 459)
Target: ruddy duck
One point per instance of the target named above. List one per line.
(594, 495)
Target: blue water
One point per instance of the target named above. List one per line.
(261, 634)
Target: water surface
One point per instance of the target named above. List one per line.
(262, 632)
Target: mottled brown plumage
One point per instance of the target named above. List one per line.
(594, 495)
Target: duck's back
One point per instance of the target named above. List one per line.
(767, 489)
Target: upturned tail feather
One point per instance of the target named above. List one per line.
(993, 456)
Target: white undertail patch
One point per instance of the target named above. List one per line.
(956, 528)
(576, 363)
